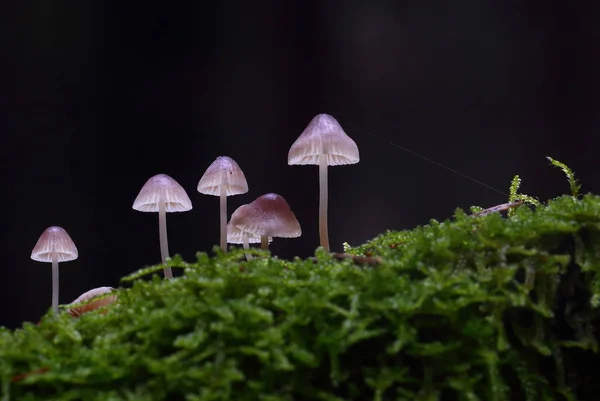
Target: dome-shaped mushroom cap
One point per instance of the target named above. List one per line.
(175, 197)
(224, 171)
(88, 296)
(268, 215)
(54, 240)
(323, 135)
(235, 235)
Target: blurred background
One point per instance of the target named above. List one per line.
(108, 94)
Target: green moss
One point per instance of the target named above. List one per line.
(473, 308)
(573, 183)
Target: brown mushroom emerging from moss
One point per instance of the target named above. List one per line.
(162, 194)
(54, 246)
(324, 143)
(223, 178)
(92, 300)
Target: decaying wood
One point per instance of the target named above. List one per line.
(23, 376)
(498, 208)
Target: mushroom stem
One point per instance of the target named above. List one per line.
(264, 242)
(55, 282)
(323, 231)
(162, 230)
(246, 246)
(223, 202)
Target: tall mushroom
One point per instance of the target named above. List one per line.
(237, 236)
(162, 194)
(223, 178)
(54, 246)
(267, 216)
(324, 143)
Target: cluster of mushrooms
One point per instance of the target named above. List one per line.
(323, 142)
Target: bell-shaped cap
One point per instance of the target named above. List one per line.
(268, 215)
(88, 304)
(54, 240)
(224, 171)
(236, 235)
(162, 187)
(323, 135)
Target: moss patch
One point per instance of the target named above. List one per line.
(472, 308)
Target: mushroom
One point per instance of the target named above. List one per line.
(237, 236)
(223, 178)
(54, 246)
(267, 216)
(162, 194)
(323, 142)
(89, 304)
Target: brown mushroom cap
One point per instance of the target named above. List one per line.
(269, 215)
(174, 196)
(323, 135)
(54, 240)
(235, 235)
(90, 306)
(224, 171)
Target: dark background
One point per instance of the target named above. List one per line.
(109, 94)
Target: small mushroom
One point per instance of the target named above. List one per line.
(324, 143)
(237, 236)
(162, 194)
(267, 216)
(89, 304)
(223, 178)
(54, 246)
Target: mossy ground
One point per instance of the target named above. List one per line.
(473, 308)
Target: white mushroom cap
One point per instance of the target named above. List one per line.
(268, 215)
(54, 240)
(90, 306)
(173, 194)
(323, 135)
(224, 171)
(235, 235)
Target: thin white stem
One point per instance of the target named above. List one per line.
(264, 242)
(162, 231)
(223, 208)
(55, 282)
(323, 231)
(246, 245)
